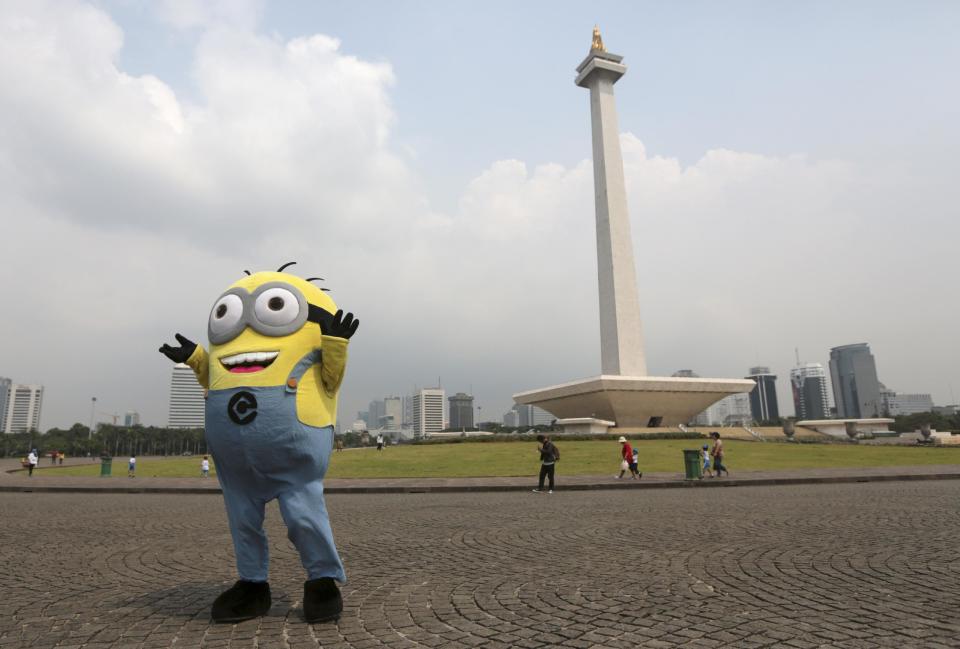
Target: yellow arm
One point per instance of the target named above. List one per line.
(199, 361)
(334, 363)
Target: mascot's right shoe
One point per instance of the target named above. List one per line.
(321, 600)
(244, 600)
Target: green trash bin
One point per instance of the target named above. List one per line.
(693, 470)
(106, 466)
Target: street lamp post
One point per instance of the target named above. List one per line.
(93, 409)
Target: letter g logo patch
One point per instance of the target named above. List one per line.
(242, 408)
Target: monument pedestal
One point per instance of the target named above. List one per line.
(633, 401)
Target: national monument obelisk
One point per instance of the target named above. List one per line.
(623, 395)
(621, 335)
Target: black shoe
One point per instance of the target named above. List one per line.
(321, 600)
(244, 600)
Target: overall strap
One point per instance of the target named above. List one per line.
(312, 358)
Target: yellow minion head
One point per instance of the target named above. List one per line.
(262, 326)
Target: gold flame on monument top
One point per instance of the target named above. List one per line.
(597, 43)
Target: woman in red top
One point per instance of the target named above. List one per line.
(626, 452)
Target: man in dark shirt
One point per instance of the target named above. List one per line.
(549, 455)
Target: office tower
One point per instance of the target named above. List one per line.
(375, 413)
(461, 411)
(132, 418)
(763, 398)
(427, 411)
(856, 389)
(5, 386)
(187, 401)
(733, 410)
(23, 404)
(407, 411)
(530, 416)
(895, 404)
(392, 413)
(511, 419)
(811, 398)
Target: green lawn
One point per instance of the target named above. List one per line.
(578, 458)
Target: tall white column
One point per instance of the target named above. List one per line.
(621, 335)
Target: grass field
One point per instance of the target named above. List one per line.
(578, 458)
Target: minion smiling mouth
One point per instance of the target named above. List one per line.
(247, 362)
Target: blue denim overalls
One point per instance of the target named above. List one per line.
(262, 451)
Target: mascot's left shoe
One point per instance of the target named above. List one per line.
(244, 600)
(321, 600)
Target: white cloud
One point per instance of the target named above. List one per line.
(133, 208)
(187, 14)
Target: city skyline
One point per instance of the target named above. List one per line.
(313, 134)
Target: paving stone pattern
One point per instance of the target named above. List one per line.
(867, 565)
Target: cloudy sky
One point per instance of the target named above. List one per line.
(791, 168)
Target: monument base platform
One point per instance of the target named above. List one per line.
(585, 426)
(633, 401)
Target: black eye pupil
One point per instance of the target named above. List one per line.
(275, 303)
(221, 310)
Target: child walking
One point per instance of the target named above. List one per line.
(706, 462)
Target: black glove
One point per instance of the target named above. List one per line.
(179, 354)
(338, 326)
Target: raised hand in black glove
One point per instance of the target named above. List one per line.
(179, 354)
(338, 325)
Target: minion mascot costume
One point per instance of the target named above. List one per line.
(278, 351)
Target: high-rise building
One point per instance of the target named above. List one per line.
(132, 418)
(407, 411)
(23, 404)
(733, 410)
(856, 388)
(895, 404)
(392, 413)
(763, 398)
(511, 419)
(811, 397)
(5, 386)
(461, 411)
(428, 411)
(186, 399)
(533, 416)
(375, 412)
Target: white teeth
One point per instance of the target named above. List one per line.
(249, 357)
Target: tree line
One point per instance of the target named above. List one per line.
(114, 440)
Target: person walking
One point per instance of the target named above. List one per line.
(549, 456)
(32, 460)
(379, 441)
(339, 444)
(706, 462)
(205, 467)
(628, 460)
(717, 453)
(132, 467)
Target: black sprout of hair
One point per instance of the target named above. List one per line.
(247, 272)
(289, 263)
(310, 279)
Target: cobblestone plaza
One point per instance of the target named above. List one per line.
(863, 565)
